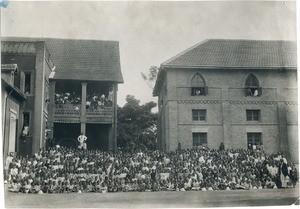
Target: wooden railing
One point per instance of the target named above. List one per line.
(103, 115)
(67, 109)
(72, 112)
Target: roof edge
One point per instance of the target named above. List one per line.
(224, 67)
(190, 48)
(36, 39)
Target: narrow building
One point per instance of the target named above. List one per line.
(63, 88)
(242, 93)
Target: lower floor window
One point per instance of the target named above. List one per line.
(254, 141)
(199, 139)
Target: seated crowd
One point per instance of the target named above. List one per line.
(64, 170)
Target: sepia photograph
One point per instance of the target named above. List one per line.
(149, 104)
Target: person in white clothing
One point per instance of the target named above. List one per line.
(255, 93)
(82, 141)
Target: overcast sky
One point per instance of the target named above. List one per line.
(149, 32)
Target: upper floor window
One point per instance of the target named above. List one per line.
(252, 88)
(27, 83)
(26, 118)
(253, 115)
(198, 86)
(199, 115)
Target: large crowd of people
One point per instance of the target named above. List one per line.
(64, 170)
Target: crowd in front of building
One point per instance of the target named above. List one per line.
(64, 170)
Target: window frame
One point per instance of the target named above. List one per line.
(198, 86)
(252, 85)
(26, 75)
(253, 115)
(254, 138)
(198, 137)
(198, 114)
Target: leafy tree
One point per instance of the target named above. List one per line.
(151, 77)
(137, 125)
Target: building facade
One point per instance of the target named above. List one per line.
(66, 87)
(242, 93)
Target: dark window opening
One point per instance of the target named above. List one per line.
(198, 86)
(253, 115)
(252, 88)
(199, 139)
(199, 115)
(27, 83)
(254, 141)
(199, 91)
(25, 130)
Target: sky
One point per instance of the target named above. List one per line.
(149, 33)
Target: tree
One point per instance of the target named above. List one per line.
(136, 125)
(151, 77)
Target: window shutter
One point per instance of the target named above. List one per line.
(206, 90)
(259, 91)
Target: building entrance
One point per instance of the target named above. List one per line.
(98, 136)
(66, 134)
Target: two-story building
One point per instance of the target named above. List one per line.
(242, 93)
(68, 86)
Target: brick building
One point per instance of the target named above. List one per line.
(63, 87)
(236, 92)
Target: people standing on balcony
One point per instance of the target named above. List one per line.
(25, 131)
(82, 141)
(255, 93)
(88, 104)
(67, 98)
(94, 99)
(94, 102)
(248, 92)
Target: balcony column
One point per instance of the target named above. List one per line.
(51, 107)
(83, 107)
(113, 144)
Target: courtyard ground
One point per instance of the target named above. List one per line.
(187, 199)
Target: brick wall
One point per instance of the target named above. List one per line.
(226, 107)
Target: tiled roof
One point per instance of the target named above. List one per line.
(218, 53)
(232, 54)
(89, 60)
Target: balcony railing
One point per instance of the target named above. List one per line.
(67, 109)
(72, 112)
(264, 94)
(101, 115)
(205, 93)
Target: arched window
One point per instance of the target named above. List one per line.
(198, 86)
(252, 86)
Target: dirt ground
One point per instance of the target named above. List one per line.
(174, 199)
